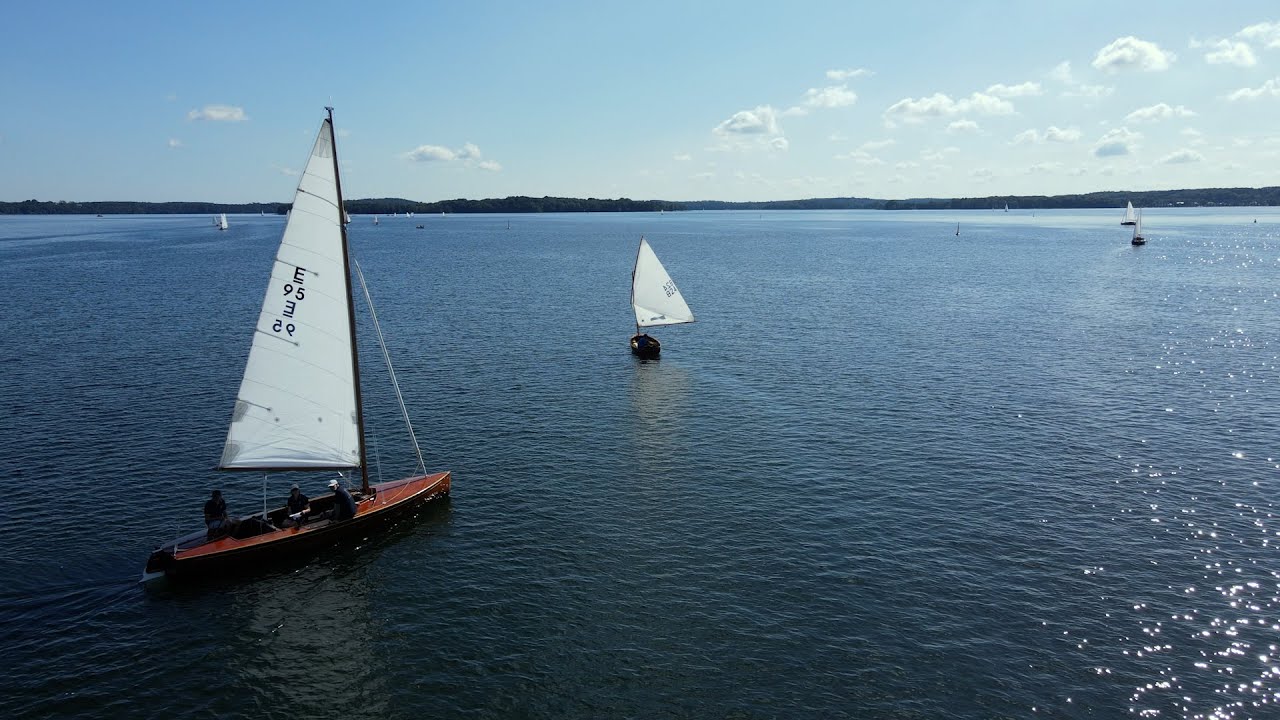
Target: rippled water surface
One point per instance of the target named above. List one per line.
(890, 472)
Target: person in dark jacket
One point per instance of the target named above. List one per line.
(344, 506)
(299, 507)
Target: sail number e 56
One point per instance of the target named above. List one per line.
(294, 293)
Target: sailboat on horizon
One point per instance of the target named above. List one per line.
(1129, 217)
(299, 406)
(655, 300)
(221, 222)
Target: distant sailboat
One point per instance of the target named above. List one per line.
(375, 219)
(655, 300)
(957, 229)
(1006, 207)
(1129, 217)
(222, 221)
(1138, 238)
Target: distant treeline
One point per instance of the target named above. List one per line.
(1206, 197)
(112, 207)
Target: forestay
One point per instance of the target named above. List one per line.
(654, 295)
(297, 402)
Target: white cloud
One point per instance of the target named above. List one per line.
(877, 144)
(982, 174)
(827, 97)
(1182, 156)
(1062, 135)
(703, 176)
(842, 75)
(1026, 137)
(468, 154)
(1044, 167)
(1130, 53)
(431, 153)
(938, 155)
(1228, 52)
(1270, 88)
(1089, 91)
(963, 126)
(1052, 134)
(1021, 90)
(1159, 111)
(1266, 33)
(1062, 73)
(762, 120)
(219, 113)
(175, 143)
(1120, 141)
(682, 157)
(913, 110)
(290, 172)
(751, 128)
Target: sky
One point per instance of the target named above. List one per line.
(746, 100)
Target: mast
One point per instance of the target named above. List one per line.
(633, 282)
(351, 308)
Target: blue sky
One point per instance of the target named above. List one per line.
(648, 100)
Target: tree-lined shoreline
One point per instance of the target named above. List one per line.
(1202, 197)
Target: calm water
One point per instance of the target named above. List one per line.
(891, 473)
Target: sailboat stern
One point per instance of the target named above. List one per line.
(645, 347)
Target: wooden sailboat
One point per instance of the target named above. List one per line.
(299, 405)
(655, 300)
(1138, 239)
(1129, 217)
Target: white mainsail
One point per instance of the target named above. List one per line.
(654, 296)
(222, 221)
(1128, 215)
(1137, 227)
(297, 402)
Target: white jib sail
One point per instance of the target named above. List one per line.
(1128, 215)
(654, 295)
(296, 407)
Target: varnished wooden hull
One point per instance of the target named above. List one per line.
(194, 556)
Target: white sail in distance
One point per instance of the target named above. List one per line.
(654, 296)
(1128, 215)
(297, 402)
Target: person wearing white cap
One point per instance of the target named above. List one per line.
(344, 506)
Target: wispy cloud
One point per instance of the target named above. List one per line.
(1052, 134)
(963, 126)
(873, 145)
(175, 143)
(1266, 33)
(682, 157)
(219, 113)
(1182, 156)
(1157, 112)
(1020, 90)
(842, 75)
(288, 171)
(1130, 53)
(1270, 88)
(468, 154)
(1120, 141)
(1228, 52)
(827, 97)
